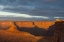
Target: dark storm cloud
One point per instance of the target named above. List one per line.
(48, 11)
(49, 8)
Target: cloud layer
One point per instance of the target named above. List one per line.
(35, 9)
(8, 14)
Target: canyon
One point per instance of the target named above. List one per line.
(31, 31)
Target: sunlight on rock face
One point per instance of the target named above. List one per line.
(44, 25)
(28, 24)
(13, 27)
(39, 24)
(4, 25)
(25, 24)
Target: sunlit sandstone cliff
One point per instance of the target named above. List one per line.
(5, 24)
(39, 24)
(13, 27)
(27, 24)
(44, 24)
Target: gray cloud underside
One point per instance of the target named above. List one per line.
(49, 8)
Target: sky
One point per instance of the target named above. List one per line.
(31, 9)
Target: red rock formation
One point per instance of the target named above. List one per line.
(13, 27)
(43, 24)
(59, 32)
(39, 24)
(25, 24)
(4, 24)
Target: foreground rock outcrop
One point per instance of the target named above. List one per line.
(59, 32)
